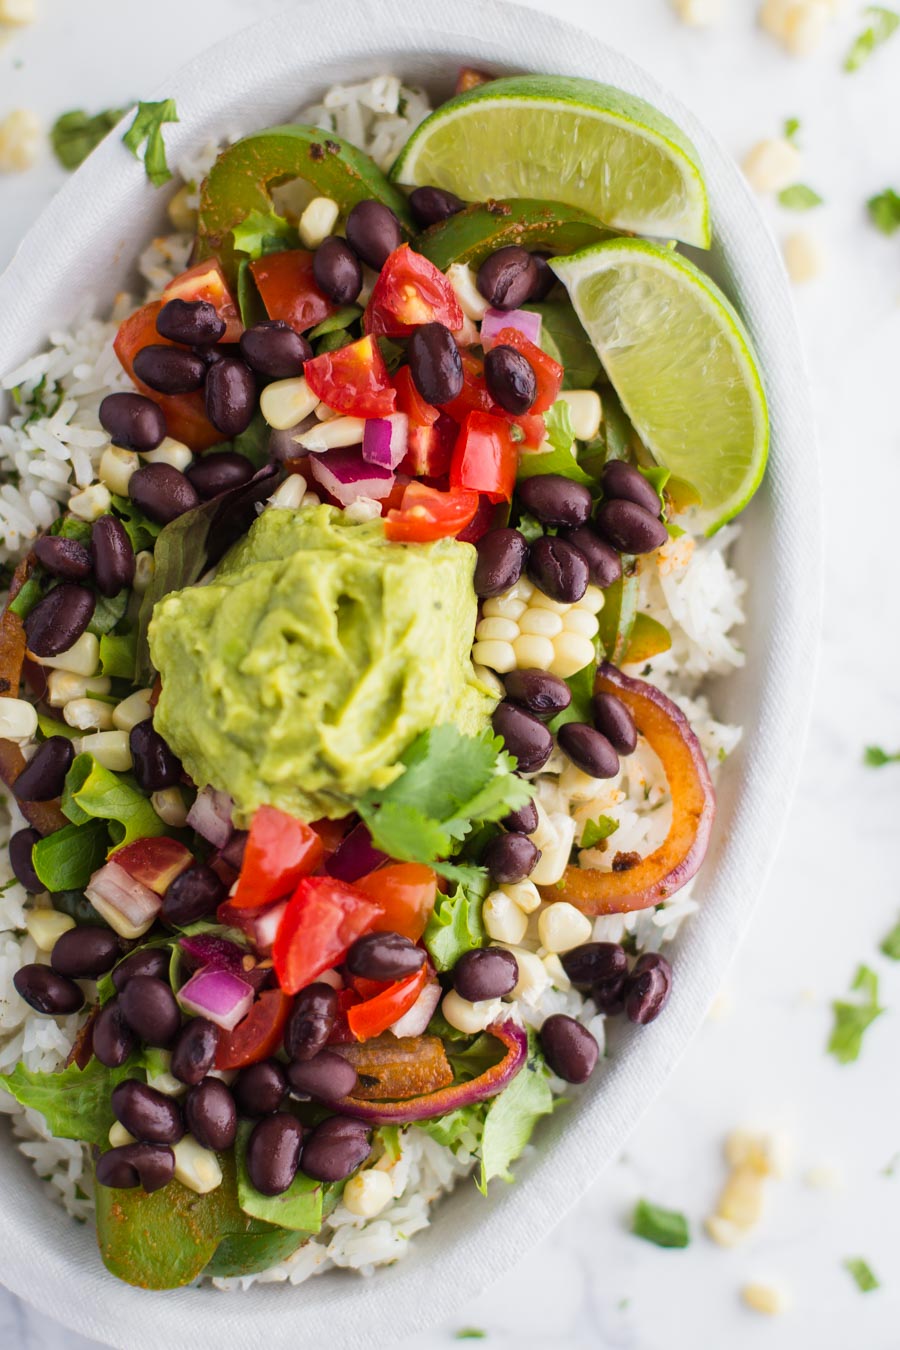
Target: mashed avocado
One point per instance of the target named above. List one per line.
(320, 651)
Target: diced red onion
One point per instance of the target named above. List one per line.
(354, 856)
(414, 1021)
(210, 816)
(217, 953)
(266, 926)
(218, 995)
(385, 439)
(495, 320)
(346, 476)
(113, 886)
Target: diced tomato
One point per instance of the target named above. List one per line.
(410, 291)
(280, 850)
(411, 402)
(323, 919)
(206, 281)
(185, 414)
(481, 522)
(549, 373)
(353, 380)
(431, 434)
(288, 289)
(258, 1036)
(427, 514)
(485, 458)
(405, 894)
(376, 1014)
(331, 832)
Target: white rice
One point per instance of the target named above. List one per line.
(53, 443)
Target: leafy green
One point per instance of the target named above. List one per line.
(146, 131)
(511, 1116)
(561, 457)
(663, 1227)
(595, 830)
(890, 943)
(75, 134)
(875, 758)
(50, 727)
(862, 1272)
(117, 654)
(791, 129)
(883, 25)
(108, 611)
(884, 210)
(332, 342)
(851, 1020)
(460, 1127)
(581, 687)
(66, 859)
(298, 1208)
(93, 792)
(27, 598)
(470, 1334)
(341, 318)
(455, 926)
(799, 197)
(530, 527)
(263, 232)
(141, 530)
(563, 338)
(75, 1102)
(450, 782)
(249, 300)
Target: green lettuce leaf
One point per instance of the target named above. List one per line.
(117, 654)
(75, 1102)
(93, 792)
(66, 859)
(799, 197)
(561, 458)
(510, 1117)
(298, 1208)
(455, 926)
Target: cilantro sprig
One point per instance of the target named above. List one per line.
(146, 131)
(884, 211)
(662, 1227)
(852, 1020)
(865, 1277)
(799, 197)
(876, 758)
(884, 23)
(75, 134)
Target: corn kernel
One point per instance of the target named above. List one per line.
(503, 919)
(742, 1197)
(144, 568)
(561, 927)
(804, 256)
(17, 13)
(765, 1298)
(46, 926)
(581, 621)
(571, 653)
(290, 493)
(533, 653)
(502, 607)
(772, 164)
(698, 13)
(556, 972)
(368, 1193)
(533, 976)
(554, 836)
(541, 601)
(109, 748)
(63, 686)
(116, 467)
(20, 140)
(585, 411)
(524, 894)
(496, 630)
(318, 221)
(88, 714)
(18, 719)
(490, 679)
(522, 590)
(132, 710)
(541, 622)
(330, 435)
(285, 403)
(180, 211)
(195, 1167)
(465, 288)
(92, 503)
(592, 600)
(82, 658)
(470, 1017)
(497, 656)
(579, 786)
(169, 805)
(174, 453)
(118, 1135)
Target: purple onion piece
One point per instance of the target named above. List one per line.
(354, 856)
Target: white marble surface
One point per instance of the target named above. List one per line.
(833, 893)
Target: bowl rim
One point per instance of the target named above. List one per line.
(43, 1256)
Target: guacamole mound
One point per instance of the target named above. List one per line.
(301, 673)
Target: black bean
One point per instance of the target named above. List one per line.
(326, 1077)
(311, 1021)
(212, 474)
(335, 1149)
(44, 776)
(373, 232)
(58, 621)
(149, 1008)
(589, 750)
(85, 953)
(541, 693)
(629, 484)
(384, 956)
(435, 363)
(604, 563)
(230, 396)
(151, 1116)
(558, 569)
(21, 847)
(211, 1115)
(154, 765)
(628, 527)
(273, 1153)
(523, 821)
(485, 972)
(133, 421)
(193, 894)
(113, 556)
(260, 1089)
(616, 722)
(647, 988)
(162, 492)
(62, 557)
(510, 858)
(609, 995)
(431, 204)
(502, 555)
(555, 500)
(337, 271)
(274, 349)
(194, 1051)
(112, 1039)
(569, 1048)
(593, 962)
(152, 962)
(507, 278)
(546, 279)
(169, 370)
(510, 379)
(147, 1165)
(196, 323)
(524, 736)
(47, 992)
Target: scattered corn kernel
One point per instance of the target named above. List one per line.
(17, 13)
(579, 786)
(698, 13)
(330, 435)
(88, 714)
(533, 975)
(723, 1232)
(799, 25)
(63, 686)
(804, 256)
(181, 213)
(555, 972)
(285, 403)
(368, 1193)
(195, 1167)
(45, 926)
(82, 658)
(561, 927)
(766, 1154)
(132, 710)
(109, 748)
(585, 412)
(772, 165)
(174, 453)
(170, 806)
(823, 1178)
(20, 140)
(488, 677)
(503, 919)
(524, 894)
(318, 221)
(765, 1298)
(18, 719)
(144, 568)
(116, 467)
(290, 493)
(470, 1017)
(91, 503)
(742, 1198)
(471, 301)
(118, 1135)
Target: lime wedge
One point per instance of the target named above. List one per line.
(682, 364)
(564, 140)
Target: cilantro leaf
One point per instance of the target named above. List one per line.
(862, 1272)
(890, 943)
(875, 758)
(560, 458)
(662, 1227)
(146, 131)
(799, 197)
(75, 1102)
(263, 232)
(75, 134)
(595, 830)
(884, 24)
(851, 1020)
(791, 129)
(455, 926)
(884, 210)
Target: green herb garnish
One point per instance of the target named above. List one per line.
(884, 22)
(862, 1272)
(875, 758)
(851, 1020)
(890, 943)
(146, 131)
(595, 830)
(75, 134)
(799, 197)
(884, 211)
(662, 1227)
(791, 129)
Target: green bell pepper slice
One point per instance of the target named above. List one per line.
(479, 230)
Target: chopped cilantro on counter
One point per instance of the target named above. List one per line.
(471, 1334)
(875, 758)
(862, 1272)
(662, 1227)
(884, 210)
(791, 129)
(883, 24)
(890, 943)
(146, 131)
(799, 197)
(851, 1020)
(75, 134)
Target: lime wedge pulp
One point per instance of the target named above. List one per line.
(567, 140)
(682, 364)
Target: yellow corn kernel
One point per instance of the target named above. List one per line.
(533, 653)
(541, 622)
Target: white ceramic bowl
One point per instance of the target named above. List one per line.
(84, 244)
